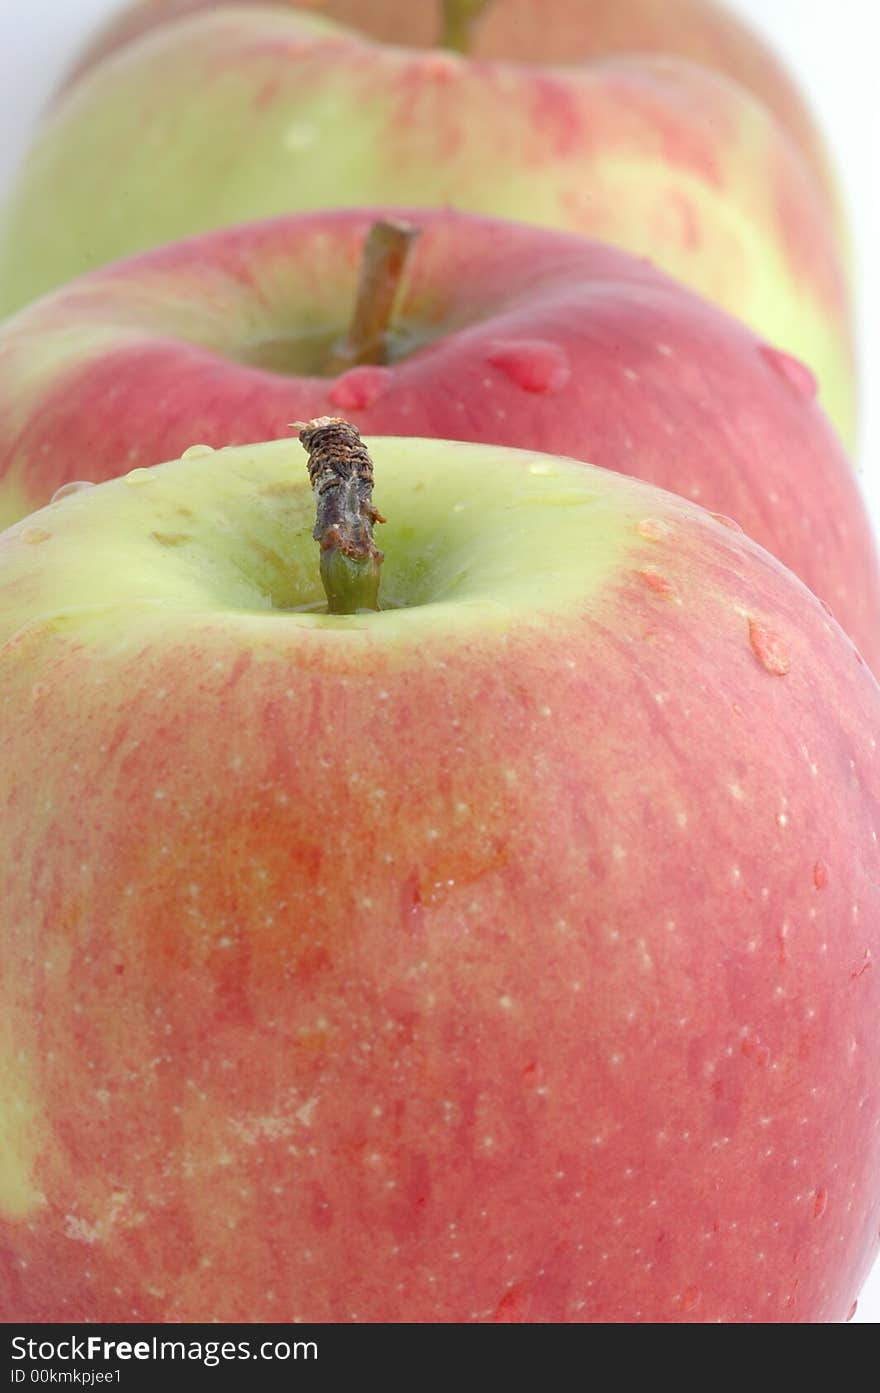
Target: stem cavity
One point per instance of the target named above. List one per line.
(341, 474)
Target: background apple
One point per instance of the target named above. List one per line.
(503, 333)
(380, 1004)
(546, 31)
(235, 114)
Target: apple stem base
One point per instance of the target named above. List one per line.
(341, 474)
(459, 19)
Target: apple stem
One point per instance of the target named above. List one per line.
(383, 261)
(459, 19)
(341, 474)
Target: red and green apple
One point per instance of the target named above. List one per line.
(502, 333)
(542, 31)
(249, 112)
(504, 954)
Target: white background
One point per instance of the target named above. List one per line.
(831, 48)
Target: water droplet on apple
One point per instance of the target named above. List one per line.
(75, 486)
(753, 1049)
(820, 1203)
(138, 476)
(197, 451)
(820, 875)
(792, 370)
(769, 649)
(514, 1306)
(852, 1310)
(545, 467)
(360, 388)
(34, 535)
(660, 584)
(535, 365)
(654, 529)
(825, 605)
(726, 521)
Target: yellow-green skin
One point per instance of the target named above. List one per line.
(240, 114)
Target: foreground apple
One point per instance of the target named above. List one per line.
(544, 31)
(502, 333)
(509, 954)
(244, 113)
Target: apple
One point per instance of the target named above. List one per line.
(508, 954)
(245, 113)
(502, 333)
(545, 31)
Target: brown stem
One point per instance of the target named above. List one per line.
(383, 262)
(459, 20)
(341, 473)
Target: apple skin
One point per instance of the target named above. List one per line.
(528, 337)
(547, 31)
(484, 960)
(237, 114)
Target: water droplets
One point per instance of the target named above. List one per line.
(798, 376)
(514, 1306)
(535, 365)
(726, 521)
(820, 875)
(756, 1050)
(660, 584)
(653, 529)
(769, 649)
(360, 387)
(75, 486)
(197, 451)
(820, 1203)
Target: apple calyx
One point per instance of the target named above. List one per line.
(383, 262)
(459, 19)
(341, 475)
